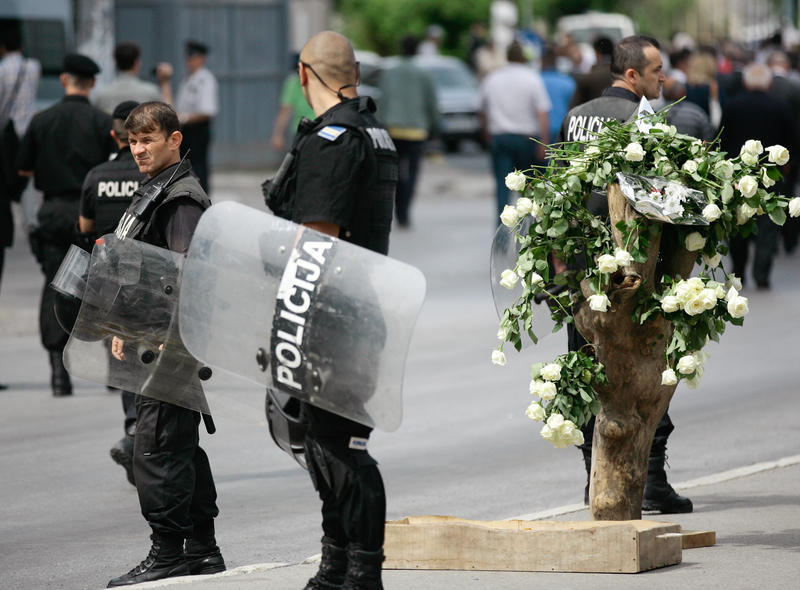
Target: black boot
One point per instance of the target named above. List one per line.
(59, 378)
(659, 496)
(332, 567)
(587, 462)
(122, 454)
(202, 554)
(363, 569)
(165, 560)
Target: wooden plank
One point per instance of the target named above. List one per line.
(449, 543)
(695, 539)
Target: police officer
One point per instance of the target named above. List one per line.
(61, 145)
(171, 472)
(637, 70)
(107, 192)
(341, 182)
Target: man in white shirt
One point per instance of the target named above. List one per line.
(197, 103)
(515, 110)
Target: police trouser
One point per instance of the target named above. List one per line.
(664, 428)
(766, 245)
(51, 254)
(351, 490)
(196, 138)
(173, 477)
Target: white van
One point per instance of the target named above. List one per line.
(584, 28)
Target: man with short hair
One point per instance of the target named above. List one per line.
(127, 85)
(107, 192)
(515, 111)
(591, 84)
(638, 72)
(61, 145)
(171, 471)
(341, 182)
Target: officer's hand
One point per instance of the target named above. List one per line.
(164, 71)
(116, 348)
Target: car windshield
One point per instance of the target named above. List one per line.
(446, 76)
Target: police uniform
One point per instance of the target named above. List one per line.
(172, 473)
(61, 145)
(581, 124)
(198, 93)
(344, 172)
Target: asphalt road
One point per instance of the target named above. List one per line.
(69, 519)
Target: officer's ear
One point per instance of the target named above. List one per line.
(302, 72)
(174, 140)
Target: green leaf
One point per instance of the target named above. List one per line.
(778, 216)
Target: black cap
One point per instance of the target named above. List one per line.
(80, 65)
(123, 109)
(196, 48)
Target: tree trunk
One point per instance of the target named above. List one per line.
(633, 355)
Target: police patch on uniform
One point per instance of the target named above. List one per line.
(358, 443)
(331, 132)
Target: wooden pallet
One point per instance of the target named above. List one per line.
(449, 543)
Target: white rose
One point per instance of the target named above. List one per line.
(670, 304)
(536, 210)
(516, 181)
(765, 179)
(744, 212)
(508, 278)
(555, 421)
(733, 281)
(752, 146)
(606, 263)
(712, 261)
(509, 216)
(535, 412)
(536, 279)
(708, 297)
(498, 357)
(748, 186)
(544, 389)
(576, 438)
(546, 433)
(695, 306)
(634, 152)
(732, 293)
(711, 212)
(669, 377)
(690, 166)
(684, 291)
(623, 257)
(738, 306)
(778, 154)
(687, 364)
(726, 193)
(503, 331)
(524, 205)
(694, 241)
(592, 150)
(749, 158)
(551, 372)
(598, 302)
(794, 207)
(724, 169)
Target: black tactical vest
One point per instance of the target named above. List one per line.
(114, 184)
(372, 215)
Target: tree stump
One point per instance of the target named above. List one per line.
(633, 355)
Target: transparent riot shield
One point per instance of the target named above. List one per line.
(505, 249)
(300, 312)
(131, 293)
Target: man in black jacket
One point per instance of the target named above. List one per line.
(172, 473)
(638, 72)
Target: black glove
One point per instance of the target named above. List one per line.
(83, 240)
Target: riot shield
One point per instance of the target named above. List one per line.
(300, 312)
(504, 252)
(131, 293)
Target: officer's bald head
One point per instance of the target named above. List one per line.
(332, 57)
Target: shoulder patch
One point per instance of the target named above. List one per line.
(331, 132)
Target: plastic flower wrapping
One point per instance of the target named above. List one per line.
(663, 200)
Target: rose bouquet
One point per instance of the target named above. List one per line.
(691, 195)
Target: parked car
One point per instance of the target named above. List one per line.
(584, 28)
(456, 93)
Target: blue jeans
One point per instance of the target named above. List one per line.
(509, 152)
